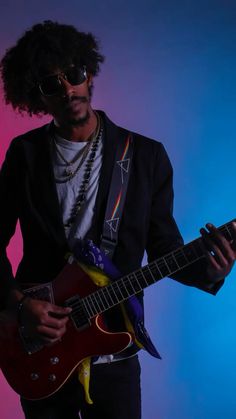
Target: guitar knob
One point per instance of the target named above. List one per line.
(52, 377)
(54, 360)
(34, 376)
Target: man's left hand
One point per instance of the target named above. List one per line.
(220, 253)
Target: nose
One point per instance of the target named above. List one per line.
(67, 88)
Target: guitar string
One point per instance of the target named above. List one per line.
(116, 287)
(122, 288)
(121, 284)
(137, 276)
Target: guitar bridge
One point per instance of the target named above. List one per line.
(41, 292)
(30, 345)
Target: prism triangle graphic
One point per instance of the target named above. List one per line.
(124, 164)
(113, 224)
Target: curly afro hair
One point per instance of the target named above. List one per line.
(42, 49)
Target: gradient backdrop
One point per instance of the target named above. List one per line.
(170, 74)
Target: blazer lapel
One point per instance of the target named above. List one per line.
(46, 193)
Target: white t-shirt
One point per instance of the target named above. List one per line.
(68, 191)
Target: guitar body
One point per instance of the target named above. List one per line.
(42, 372)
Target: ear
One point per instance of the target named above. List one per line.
(89, 79)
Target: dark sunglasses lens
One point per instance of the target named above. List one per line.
(75, 75)
(50, 85)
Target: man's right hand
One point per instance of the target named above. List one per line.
(43, 320)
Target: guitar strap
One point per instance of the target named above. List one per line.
(86, 252)
(132, 308)
(117, 193)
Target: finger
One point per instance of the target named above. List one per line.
(213, 249)
(218, 236)
(50, 333)
(233, 235)
(53, 322)
(216, 241)
(59, 311)
(212, 261)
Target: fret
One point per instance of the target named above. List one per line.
(162, 267)
(158, 272)
(113, 292)
(180, 257)
(122, 286)
(198, 247)
(103, 292)
(110, 300)
(227, 232)
(108, 289)
(169, 271)
(172, 263)
(119, 291)
(173, 255)
(93, 303)
(135, 283)
(126, 289)
(153, 279)
(128, 286)
(87, 308)
(100, 304)
(130, 283)
(193, 248)
(146, 276)
(189, 253)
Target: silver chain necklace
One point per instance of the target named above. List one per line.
(69, 172)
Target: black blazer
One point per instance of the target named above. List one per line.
(28, 193)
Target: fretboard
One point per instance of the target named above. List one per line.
(120, 290)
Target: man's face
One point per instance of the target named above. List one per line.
(70, 103)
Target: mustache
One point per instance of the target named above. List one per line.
(68, 100)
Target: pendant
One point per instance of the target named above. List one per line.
(68, 172)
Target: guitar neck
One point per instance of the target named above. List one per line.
(107, 297)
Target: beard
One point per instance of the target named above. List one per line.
(81, 118)
(80, 121)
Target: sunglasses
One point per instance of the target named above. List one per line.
(52, 85)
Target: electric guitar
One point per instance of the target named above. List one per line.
(36, 371)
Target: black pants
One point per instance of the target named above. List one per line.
(114, 389)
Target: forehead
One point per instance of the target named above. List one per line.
(54, 70)
(50, 64)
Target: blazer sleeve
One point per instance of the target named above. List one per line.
(164, 235)
(9, 209)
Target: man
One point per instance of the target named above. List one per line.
(56, 181)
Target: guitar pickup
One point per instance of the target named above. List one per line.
(79, 315)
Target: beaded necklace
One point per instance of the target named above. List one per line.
(89, 152)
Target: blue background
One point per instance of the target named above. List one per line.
(169, 74)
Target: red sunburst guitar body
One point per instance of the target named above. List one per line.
(35, 371)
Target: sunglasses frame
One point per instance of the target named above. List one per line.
(62, 74)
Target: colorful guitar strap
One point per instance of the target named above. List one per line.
(114, 210)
